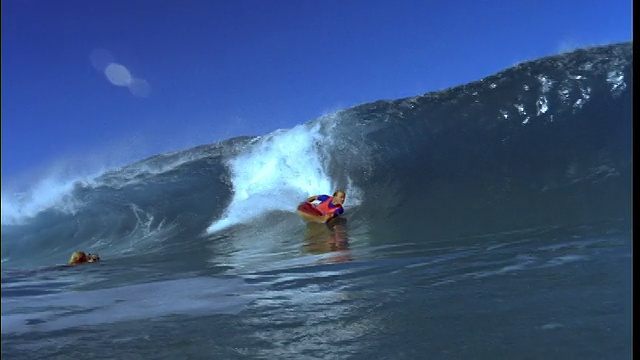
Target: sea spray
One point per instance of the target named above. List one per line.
(275, 173)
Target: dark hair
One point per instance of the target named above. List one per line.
(340, 192)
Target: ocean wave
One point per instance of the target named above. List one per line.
(542, 143)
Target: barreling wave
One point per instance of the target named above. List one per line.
(547, 142)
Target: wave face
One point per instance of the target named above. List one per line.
(543, 143)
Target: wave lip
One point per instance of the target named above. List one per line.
(49, 193)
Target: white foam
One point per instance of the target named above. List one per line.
(561, 260)
(54, 189)
(276, 173)
(26, 194)
(616, 80)
(551, 326)
(541, 105)
(586, 94)
(546, 83)
(49, 192)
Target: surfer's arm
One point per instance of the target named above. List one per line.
(312, 198)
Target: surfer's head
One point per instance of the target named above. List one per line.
(78, 257)
(338, 197)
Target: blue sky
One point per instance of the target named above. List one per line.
(207, 70)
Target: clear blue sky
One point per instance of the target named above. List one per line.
(217, 69)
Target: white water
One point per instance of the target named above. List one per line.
(278, 172)
(54, 189)
(49, 192)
